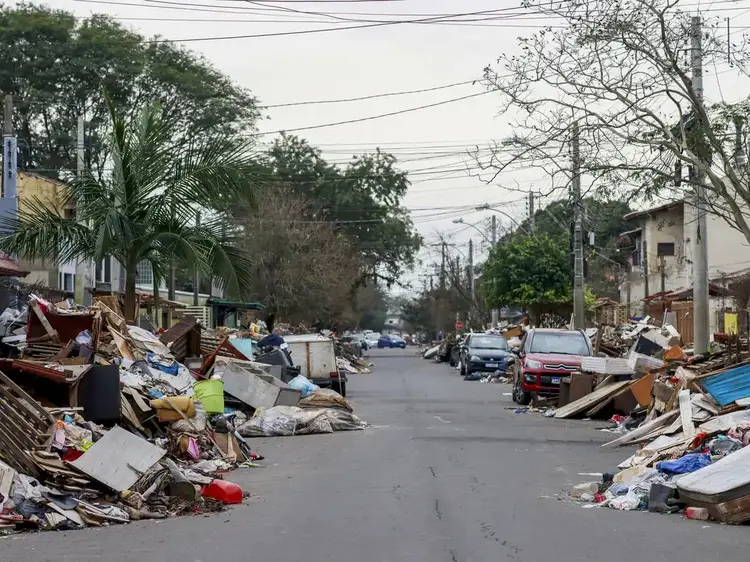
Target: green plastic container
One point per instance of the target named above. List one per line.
(211, 395)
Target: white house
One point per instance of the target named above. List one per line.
(661, 260)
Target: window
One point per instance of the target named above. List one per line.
(144, 274)
(69, 280)
(563, 342)
(488, 342)
(665, 249)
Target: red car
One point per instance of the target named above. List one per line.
(546, 356)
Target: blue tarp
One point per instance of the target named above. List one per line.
(729, 386)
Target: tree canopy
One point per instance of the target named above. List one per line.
(361, 198)
(58, 68)
(531, 272)
(618, 71)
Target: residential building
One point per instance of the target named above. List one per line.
(662, 251)
(33, 187)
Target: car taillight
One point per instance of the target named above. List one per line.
(334, 375)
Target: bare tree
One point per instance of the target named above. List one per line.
(621, 70)
(304, 270)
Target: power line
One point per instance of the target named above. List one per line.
(372, 96)
(372, 117)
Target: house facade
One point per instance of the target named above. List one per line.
(662, 249)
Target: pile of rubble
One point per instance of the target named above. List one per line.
(104, 422)
(688, 414)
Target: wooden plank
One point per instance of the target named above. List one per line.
(686, 413)
(587, 402)
(643, 430)
(51, 332)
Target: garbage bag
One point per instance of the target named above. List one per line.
(291, 420)
(686, 464)
(629, 502)
(325, 398)
(303, 384)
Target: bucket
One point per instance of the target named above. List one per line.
(211, 395)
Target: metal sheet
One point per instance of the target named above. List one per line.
(729, 386)
(118, 459)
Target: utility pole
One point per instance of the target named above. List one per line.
(9, 150)
(663, 274)
(532, 212)
(644, 250)
(197, 278)
(700, 260)
(442, 267)
(471, 271)
(495, 311)
(579, 312)
(79, 288)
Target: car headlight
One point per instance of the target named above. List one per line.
(532, 364)
(475, 358)
(530, 378)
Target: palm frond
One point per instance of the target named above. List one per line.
(40, 232)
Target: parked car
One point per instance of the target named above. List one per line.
(390, 342)
(545, 357)
(484, 353)
(372, 339)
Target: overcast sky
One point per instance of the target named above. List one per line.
(360, 62)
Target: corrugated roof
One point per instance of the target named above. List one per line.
(652, 210)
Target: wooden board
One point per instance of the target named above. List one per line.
(645, 429)
(686, 413)
(591, 400)
(118, 459)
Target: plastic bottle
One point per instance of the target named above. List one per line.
(699, 513)
(586, 489)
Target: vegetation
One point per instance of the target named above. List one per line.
(144, 211)
(531, 272)
(61, 65)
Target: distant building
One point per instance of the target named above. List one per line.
(393, 322)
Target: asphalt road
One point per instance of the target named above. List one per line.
(447, 472)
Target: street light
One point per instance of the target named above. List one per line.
(461, 221)
(486, 207)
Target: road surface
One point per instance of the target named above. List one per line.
(447, 472)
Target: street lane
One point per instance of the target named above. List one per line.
(447, 472)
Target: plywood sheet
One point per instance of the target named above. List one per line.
(118, 459)
(589, 401)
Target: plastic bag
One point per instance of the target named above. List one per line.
(198, 421)
(325, 398)
(723, 446)
(290, 420)
(686, 464)
(303, 384)
(629, 502)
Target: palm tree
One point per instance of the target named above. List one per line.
(145, 209)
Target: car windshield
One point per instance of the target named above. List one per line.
(564, 343)
(488, 342)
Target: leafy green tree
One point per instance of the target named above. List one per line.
(58, 67)
(531, 272)
(145, 209)
(361, 198)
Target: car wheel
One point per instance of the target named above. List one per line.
(519, 395)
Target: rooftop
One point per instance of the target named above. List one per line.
(653, 210)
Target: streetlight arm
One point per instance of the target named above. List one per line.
(488, 208)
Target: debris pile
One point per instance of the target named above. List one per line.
(688, 414)
(105, 422)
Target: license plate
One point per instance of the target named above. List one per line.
(555, 380)
(492, 365)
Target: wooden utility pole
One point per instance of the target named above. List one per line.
(701, 315)
(579, 311)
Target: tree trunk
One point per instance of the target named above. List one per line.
(130, 277)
